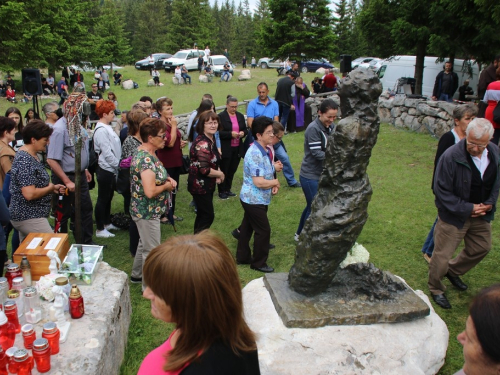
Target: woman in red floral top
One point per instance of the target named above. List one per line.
(204, 172)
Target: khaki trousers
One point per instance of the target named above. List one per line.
(25, 227)
(476, 234)
(150, 233)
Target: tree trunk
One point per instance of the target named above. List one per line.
(419, 67)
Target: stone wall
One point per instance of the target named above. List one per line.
(419, 115)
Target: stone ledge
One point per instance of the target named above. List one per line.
(96, 342)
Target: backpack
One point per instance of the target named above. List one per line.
(496, 113)
(93, 155)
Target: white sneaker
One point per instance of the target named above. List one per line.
(296, 237)
(103, 233)
(111, 227)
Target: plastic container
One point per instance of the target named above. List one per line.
(16, 296)
(26, 271)
(3, 362)
(24, 362)
(32, 309)
(10, 309)
(11, 364)
(29, 335)
(7, 332)
(13, 271)
(41, 354)
(52, 334)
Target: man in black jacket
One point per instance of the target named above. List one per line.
(466, 185)
(446, 84)
(284, 96)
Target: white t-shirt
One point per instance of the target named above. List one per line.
(207, 52)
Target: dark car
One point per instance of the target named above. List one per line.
(158, 61)
(314, 64)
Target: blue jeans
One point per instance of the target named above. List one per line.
(224, 73)
(428, 247)
(310, 189)
(186, 77)
(282, 156)
(284, 113)
(446, 98)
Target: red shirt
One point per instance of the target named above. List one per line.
(330, 81)
(10, 94)
(171, 157)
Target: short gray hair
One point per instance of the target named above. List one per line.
(231, 99)
(462, 110)
(50, 107)
(480, 127)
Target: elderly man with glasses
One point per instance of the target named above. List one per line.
(466, 184)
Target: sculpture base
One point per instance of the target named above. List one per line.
(339, 306)
(409, 348)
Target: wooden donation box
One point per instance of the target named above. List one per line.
(35, 247)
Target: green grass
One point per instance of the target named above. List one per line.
(401, 213)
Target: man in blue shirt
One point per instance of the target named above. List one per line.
(263, 105)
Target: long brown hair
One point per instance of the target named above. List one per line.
(196, 276)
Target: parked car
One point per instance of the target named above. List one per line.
(314, 64)
(371, 64)
(269, 62)
(360, 60)
(217, 62)
(375, 64)
(189, 57)
(158, 61)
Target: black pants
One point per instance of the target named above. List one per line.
(133, 237)
(205, 215)
(229, 166)
(68, 208)
(106, 183)
(254, 221)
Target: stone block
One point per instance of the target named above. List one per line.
(426, 109)
(432, 103)
(203, 78)
(177, 81)
(321, 71)
(244, 77)
(404, 109)
(442, 127)
(96, 342)
(412, 111)
(151, 82)
(384, 114)
(444, 115)
(407, 120)
(128, 84)
(396, 112)
(448, 107)
(399, 100)
(410, 348)
(398, 122)
(412, 103)
(385, 103)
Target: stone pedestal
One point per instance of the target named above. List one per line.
(410, 348)
(96, 342)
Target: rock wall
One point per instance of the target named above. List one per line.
(419, 115)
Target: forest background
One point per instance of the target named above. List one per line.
(55, 33)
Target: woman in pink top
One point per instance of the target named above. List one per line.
(192, 281)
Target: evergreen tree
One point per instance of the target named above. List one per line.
(299, 27)
(150, 31)
(342, 27)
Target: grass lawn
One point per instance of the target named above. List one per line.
(401, 213)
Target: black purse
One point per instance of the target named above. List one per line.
(123, 181)
(186, 163)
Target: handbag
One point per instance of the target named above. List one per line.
(186, 163)
(123, 180)
(496, 113)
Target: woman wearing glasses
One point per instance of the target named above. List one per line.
(204, 172)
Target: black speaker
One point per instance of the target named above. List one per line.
(345, 63)
(32, 83)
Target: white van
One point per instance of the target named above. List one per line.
(189, 57)
(397, 67)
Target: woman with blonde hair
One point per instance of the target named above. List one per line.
(192, 281)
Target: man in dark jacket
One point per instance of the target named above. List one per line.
(466, 187)
(284, 96)
(446, 84)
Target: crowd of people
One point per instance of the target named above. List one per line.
(148, 149)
